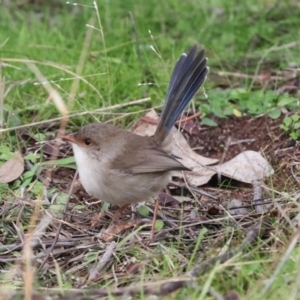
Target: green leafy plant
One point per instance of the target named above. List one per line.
(223, 103)
(291, 126)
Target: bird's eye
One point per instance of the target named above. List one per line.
(87, 141)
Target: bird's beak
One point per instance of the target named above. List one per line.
(68, 138)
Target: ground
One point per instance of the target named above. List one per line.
(225, 239)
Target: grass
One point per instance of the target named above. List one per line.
(128, 53)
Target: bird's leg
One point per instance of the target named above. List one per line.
(154, 218)
(118, 213)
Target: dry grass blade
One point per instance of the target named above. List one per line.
(268, 282)
(99, 110)
(80, 65)
(2, 89)
(59, 103)
(36, 230)
(56, 66)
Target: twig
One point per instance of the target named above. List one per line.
(61, 107)
(164, 288)
(255, 78)
(241, 142)
(185, 119)
(258, 197)
(102, 261)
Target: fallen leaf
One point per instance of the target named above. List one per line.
(97, 219)
(146, 125)
(213, 211)
(114, 230)
(180, 148)
(248, 166)
(135, 268)
(190, 126)
(237, 113)
(167, 200)
(12, 169)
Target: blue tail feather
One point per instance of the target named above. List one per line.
(187, 77)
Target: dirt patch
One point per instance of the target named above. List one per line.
(234, 135)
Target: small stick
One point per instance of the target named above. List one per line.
(102, 261)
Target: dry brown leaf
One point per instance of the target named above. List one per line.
(12, 169)
(248, 166)
(180, 148)
(167, 200)
(114, 230)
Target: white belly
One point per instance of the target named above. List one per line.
(115, 187)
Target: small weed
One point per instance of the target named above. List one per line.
(291, 126)
(223, 103)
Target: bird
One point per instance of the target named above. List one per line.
(123, 168)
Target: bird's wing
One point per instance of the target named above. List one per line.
(156, 160)
(148, 161)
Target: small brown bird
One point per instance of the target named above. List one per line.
(122, 168)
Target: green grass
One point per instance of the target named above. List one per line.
(236, 37)
(249, 37)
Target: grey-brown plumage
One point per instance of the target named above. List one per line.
(121, 167)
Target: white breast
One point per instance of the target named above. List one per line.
(90, 172)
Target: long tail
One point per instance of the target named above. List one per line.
(188, 76)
